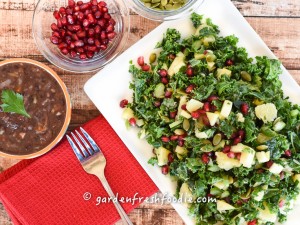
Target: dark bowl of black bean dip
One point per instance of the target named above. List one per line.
(36, 128)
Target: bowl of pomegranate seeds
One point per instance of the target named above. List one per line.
(81, 36)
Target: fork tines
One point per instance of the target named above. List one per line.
(85, 146)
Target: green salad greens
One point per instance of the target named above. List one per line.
(220, 125)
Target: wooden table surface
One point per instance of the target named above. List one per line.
(276, 21)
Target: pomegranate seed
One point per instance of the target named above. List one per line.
(141, 61)
(102, 22)
(90, 54)
(237, 140)
(72, 45)
(76, 8)
(56, 34)
(173, 114)
(112, 22)
(80, 50)
(168, 94)
(82, 56)
(59, 24)
(75, 37)
(106, 16)
(180, 143)
(238, 156)
(91, 18)
(111, 35)
(91, 41)
(212, 98)
(56, 14)
(123, 103)
(73, 54)
(252, 222)
(205, 52)
(68, 40)
(170, 158)
(97, 29)
(132, 122)
(54, 40)
(79, 3)
(165, 139)
(69, 11)
(62, 10)
(98, 14)
(205, 120)
(91, 32)
(189, 72)
(92, 48)
(104, 9)
(104, 41)
(102, 4)
(260, 171)
(165, 169)
(85, 23)
(183, 107)
(281, 203)
(206, 106)
(164, 80)
(71, 3)
(54, 27)
(244, 108)
(241, 134)
(288, 153)
(80, 16)
(157, 103)
(195, 114)
(79, 43)
(84, 7)
(205, 158)
(269, 164)
(234, 135)
(103, 47)
(94, 2)
(229, 62)
(172, 56)
(174, 138)
(81, 34)
(146, 67)
(189, 89)
(70, 19)
(163, 72)
(62, 45)
(64, 51)
(230, 155)
(226, 149)
(64, 21)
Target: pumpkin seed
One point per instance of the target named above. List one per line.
(217, 139)
(164, 4)
(246, 76)
(152, 58)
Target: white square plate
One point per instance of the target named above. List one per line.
(108, 87)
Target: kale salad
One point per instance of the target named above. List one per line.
(219, 124)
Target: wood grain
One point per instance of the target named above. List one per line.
(276, 21)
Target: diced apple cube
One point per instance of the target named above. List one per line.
(223, 206)
(186, 194)
(263, 157)
(240, 118)
(266, 216)
(259, 196)
(226, 108)
(296, 177)
(212, 117)
(177, 63)
(224, 71)
(193, 105)
(159, 91)
(238, 148)
(182, 101)
(247, 157)
(127, 114)
(200, 134)
(162, 156)
(276, 168)
(266, 112)
(185, 114)
(226, 163)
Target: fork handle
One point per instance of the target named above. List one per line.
(119, 208)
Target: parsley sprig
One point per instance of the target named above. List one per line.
(13, 102)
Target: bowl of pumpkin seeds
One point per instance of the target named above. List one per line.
(164, 10)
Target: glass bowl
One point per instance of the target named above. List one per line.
(43, 18)
(56, 139)
(164, 15)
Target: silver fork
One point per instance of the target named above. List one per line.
(94, 162)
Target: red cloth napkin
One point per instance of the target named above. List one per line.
(49, 190)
